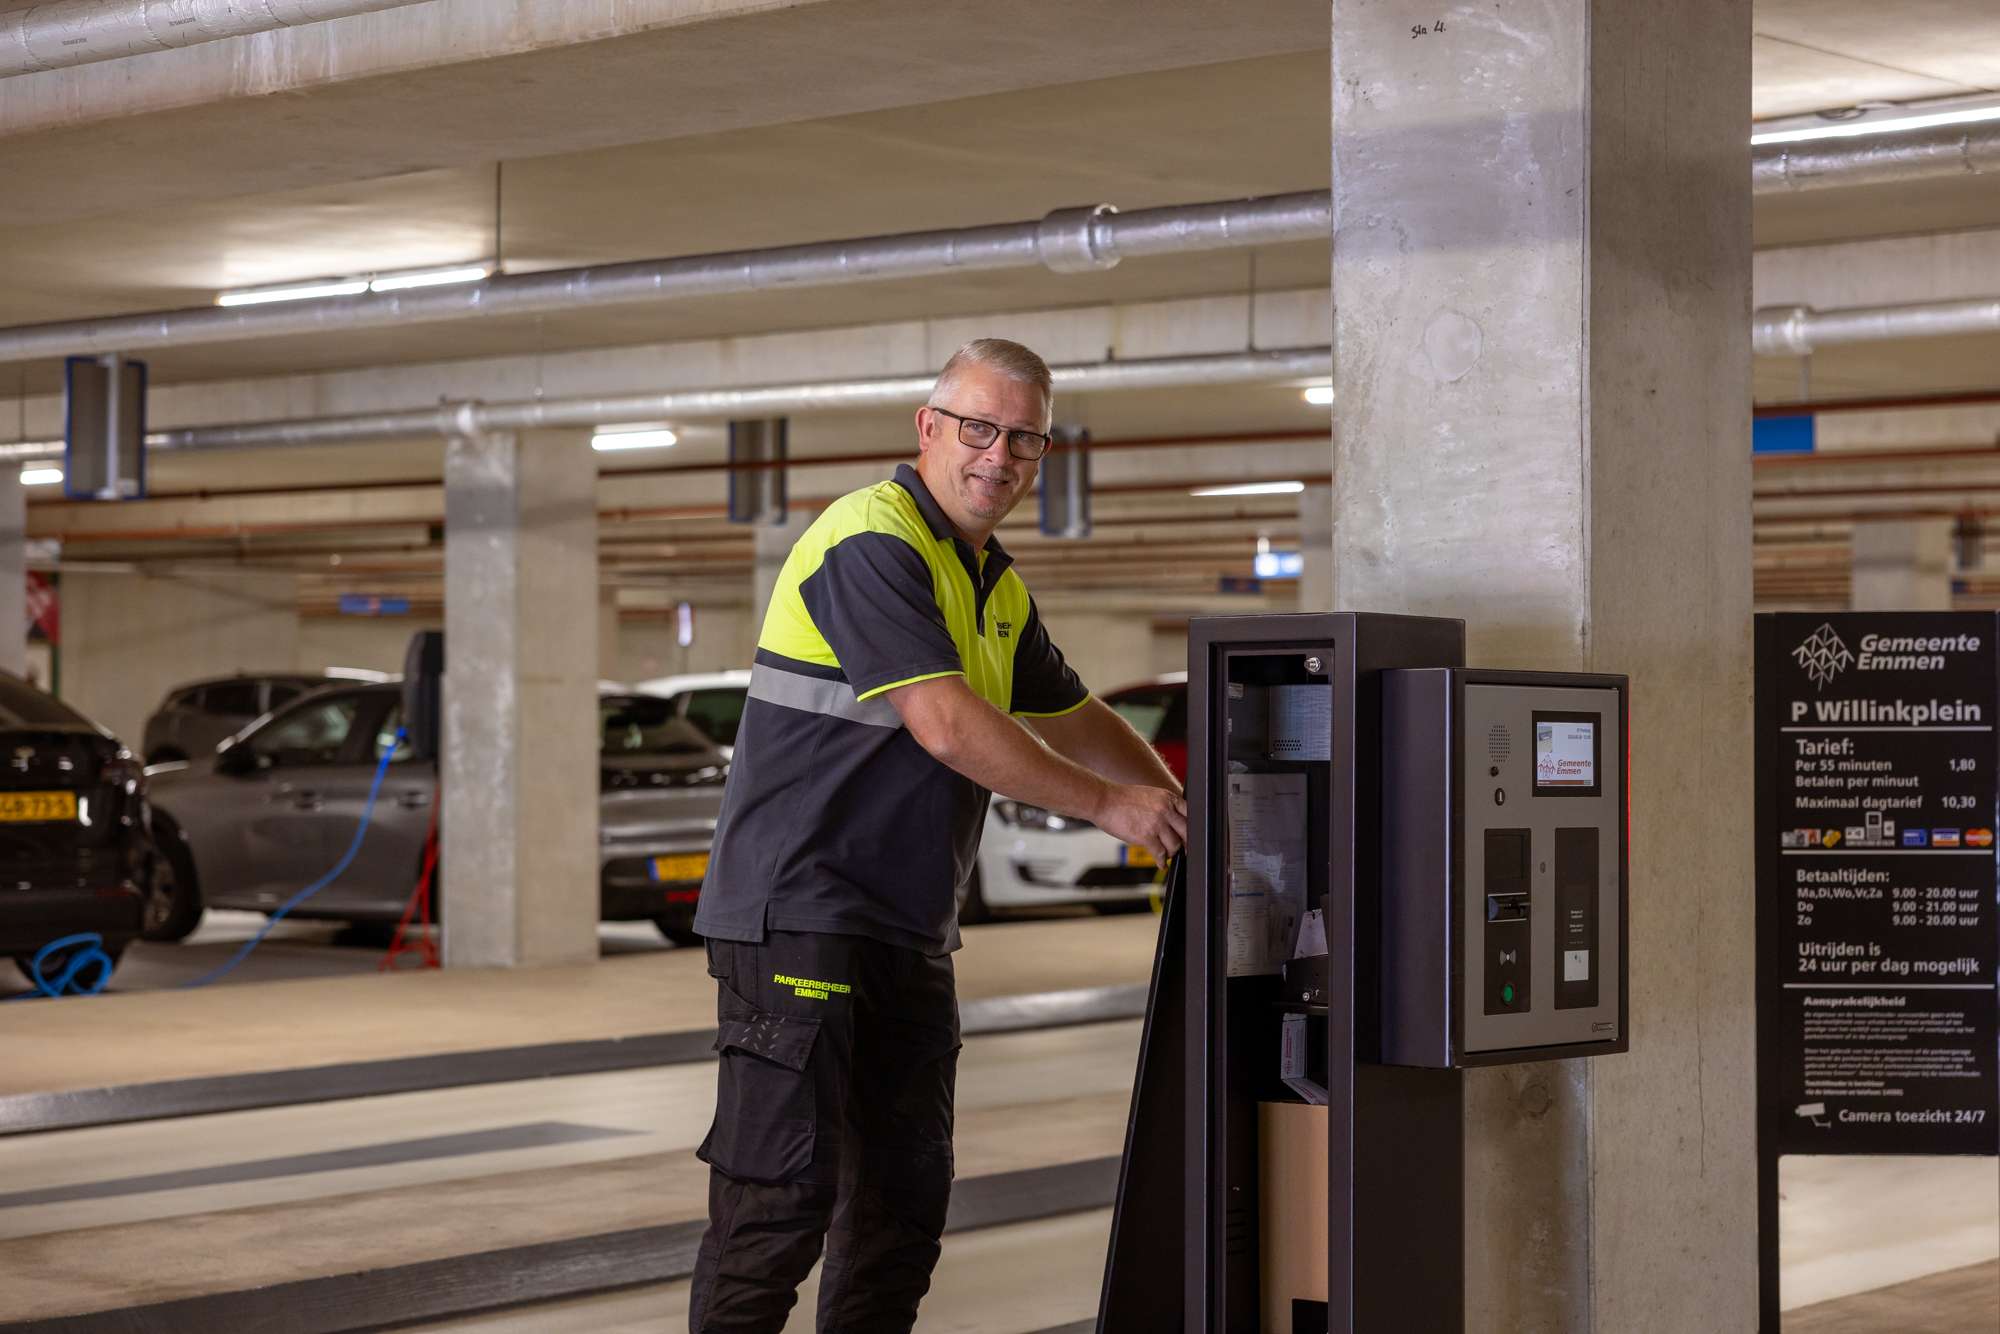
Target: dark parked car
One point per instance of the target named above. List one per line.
(75, 854)
(194, 719)
(274, 810)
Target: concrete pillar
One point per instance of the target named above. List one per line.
(13, 573)
(1541, 265)
(520, 702)
(1316, 547)
(607, 631)
(774, 542)
(1902, 566)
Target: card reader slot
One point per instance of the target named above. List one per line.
(1509, 945)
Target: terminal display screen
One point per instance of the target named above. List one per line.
(1567, 753)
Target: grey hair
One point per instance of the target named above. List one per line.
(997, 354)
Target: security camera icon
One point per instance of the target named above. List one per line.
(1814, 1112)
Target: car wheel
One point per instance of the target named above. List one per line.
(972, 909)
(677, 932)
(53, 964)
(174, 908)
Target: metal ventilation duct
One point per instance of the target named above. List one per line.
(1071, 240)
(1066, 241)
(762, 401)
(1823, 164)
(1796, 331)
(80, 32)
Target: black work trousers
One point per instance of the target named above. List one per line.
(833, 1114)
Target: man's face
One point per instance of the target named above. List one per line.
(977, 488)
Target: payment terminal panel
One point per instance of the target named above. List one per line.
(1504, 859)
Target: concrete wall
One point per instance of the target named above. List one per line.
(376, 643)
(129, 638)
(1107, 651)
(724, 638)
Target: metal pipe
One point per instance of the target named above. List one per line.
(766, 400)
(1066, 241)
(65, 33)
(1797, 331)
(1820, 164)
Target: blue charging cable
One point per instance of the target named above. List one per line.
(89, 951)
(90, 945)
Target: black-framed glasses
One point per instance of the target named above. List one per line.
(1027, 446)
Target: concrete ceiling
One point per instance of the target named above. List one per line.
(1211, 132)
(1814, 55)
(665, 140)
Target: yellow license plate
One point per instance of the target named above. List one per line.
(25, 807)
(681, 866)
(1140, 857)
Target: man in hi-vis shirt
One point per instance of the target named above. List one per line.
(898, 651)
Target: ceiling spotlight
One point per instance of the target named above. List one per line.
(257, 296)
(396, 282)
(1319, 395)
(1251, 489)
(648, 436)
(41, 476)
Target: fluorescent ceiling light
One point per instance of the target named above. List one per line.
(41, 476)
(1886, 124)
(304, 292)
(396, 282)
(632, 437)
(1251, 489)
(1319, 395)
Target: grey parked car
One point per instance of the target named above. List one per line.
(271, 812)
(196, 718)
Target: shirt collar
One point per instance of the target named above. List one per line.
(940, 526)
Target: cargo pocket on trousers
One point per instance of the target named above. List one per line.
(764, 1124)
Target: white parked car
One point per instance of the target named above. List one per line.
(1028, 857)
(1032, 858)
(711, 701)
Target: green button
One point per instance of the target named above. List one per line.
(1507, 993)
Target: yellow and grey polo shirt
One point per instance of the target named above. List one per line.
(835, 819)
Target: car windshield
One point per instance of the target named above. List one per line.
(717, 712)
(643, 725)
(21, 705)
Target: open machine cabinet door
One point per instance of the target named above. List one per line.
(1322, 977)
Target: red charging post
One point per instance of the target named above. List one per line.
(417, 913)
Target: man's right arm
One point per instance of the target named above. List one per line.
(965, 733)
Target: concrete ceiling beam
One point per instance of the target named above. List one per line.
(464, 82)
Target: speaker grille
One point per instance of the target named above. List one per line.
(1499, 742)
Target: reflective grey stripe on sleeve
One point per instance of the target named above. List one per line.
(813, 694)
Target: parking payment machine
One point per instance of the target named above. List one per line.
(1503, 866)
(1397, 867)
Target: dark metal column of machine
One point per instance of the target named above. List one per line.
(1396, 868)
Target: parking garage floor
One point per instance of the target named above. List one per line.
(376, 1149)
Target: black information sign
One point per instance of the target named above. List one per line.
(1878, 931)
